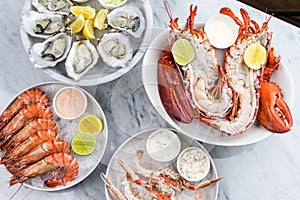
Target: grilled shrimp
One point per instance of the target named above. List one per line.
(57, 164)
(28, 97)
(41, 151)
(32, 141)
(26, 114)
(32, 127)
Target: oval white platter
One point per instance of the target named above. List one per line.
(197, 129)
(66, 131)
(127, 151)
(101, 73)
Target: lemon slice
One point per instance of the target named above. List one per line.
(88, 30)
(255, 56)
(83, 144)
(77, 25)
(90, 124)
(100, 19)
(87, 11)
(183, 51)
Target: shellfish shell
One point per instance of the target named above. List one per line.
(53, 6)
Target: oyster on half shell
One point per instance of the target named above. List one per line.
(115, 49)
(83, 57)
(50, 52)
(128, 18)
(53, 6)
(42, 25)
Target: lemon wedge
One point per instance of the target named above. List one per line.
(90, 124)
(77, 25)
(255, 56)
(183, 51)
(83, 144)
(88, 30)
(100, 19)
(87, 11)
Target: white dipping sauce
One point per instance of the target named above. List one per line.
(221, 31)
(163, 145)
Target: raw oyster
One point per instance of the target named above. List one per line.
(128, 18)
(42, 25)
(50, 52)
(115, 49)
(83, 56)
(53, 6)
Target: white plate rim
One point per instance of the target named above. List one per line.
(76, 181)
(148, 85)
(83, 82)
(151, 130)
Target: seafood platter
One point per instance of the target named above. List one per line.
(52, 136)
(85, 42)
(220, 82)
(161, 164)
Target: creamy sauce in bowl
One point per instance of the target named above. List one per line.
(70, 103)
(221, 31)
(193, 164)
(163, 145)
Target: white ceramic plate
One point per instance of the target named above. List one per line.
(66, 131)
(101, 73)
(126, 152)
(197, 129)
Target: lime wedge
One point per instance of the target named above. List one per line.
(255, 56)
(183, 51)
(89, 124)
(83, 144)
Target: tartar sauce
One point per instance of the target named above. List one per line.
(193, 164)
(70, 103)
(221, 31)
(163, 145)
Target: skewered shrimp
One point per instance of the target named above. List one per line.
(41, 151)
(32, 127)
(28, 97)
(26, 146)
(56, 163)
(26, 114)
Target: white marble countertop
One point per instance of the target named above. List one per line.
(265, 170)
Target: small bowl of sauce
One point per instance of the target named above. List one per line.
(221, 31)
(111, 4)
(70, 103)
(163, 145)
(193, 164)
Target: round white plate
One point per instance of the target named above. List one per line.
(126, 152)
(197, 129)
(101, 73)
(66, 131)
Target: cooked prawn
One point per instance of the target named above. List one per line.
(41, 151)
(26, 114)
(28, 97)
(56, 163)
(32, 127)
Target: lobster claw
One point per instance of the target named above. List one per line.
(273, 114)
(172, 93)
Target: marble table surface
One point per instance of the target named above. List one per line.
(266, 170)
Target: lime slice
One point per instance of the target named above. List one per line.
(88, 30)
(87, 11)
(83, 144)
(183, 51)
(255, 56)
(100, 19)
(77, 25)
(90, 124)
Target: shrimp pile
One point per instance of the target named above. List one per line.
(30, 143)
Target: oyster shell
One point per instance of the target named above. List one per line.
(53, 6)
(115, 49)
(50, 52)
(42, 25)
(83, 57)
(128, 18)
